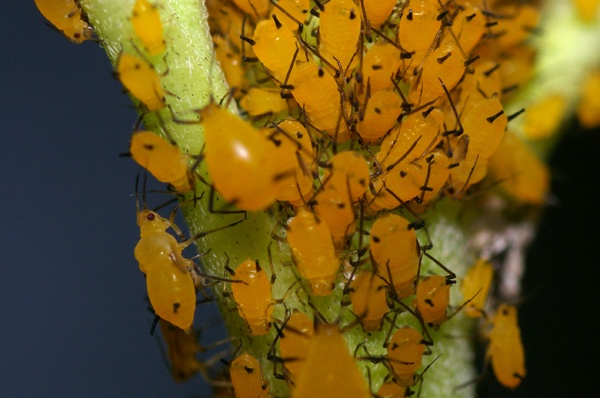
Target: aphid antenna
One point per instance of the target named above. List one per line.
(460, 130)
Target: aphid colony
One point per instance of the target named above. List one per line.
(359, 116)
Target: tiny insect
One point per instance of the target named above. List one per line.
(253, 297)
(141, 80)
(395, 249)
(147, 26)
(405, 352)
(165, 161)
(313, 251)
(369, 301)
(294, 342)
(169, 283)
(476, 283)
(247, 378)
(544, 117)
(275, 46)
(329, 369)
(66, 16)
(521, 174)
(377, 11)
(182, 349)
(505, 349)
(339, 32)
(433, 298)
(247, 178)
(588, 110)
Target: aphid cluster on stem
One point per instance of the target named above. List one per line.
(358, 118)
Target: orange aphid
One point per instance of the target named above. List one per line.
(312, 247)
(522, 174)
(369, 302)
(164, 160)
(329, 369)
(253, 297)
(505, 349)
(588, 109)
(247, 178)
(433, 297)
(405, 352)
(246, 377)
(294, 343)
(543, 117)
(395, 250)
(475, 287)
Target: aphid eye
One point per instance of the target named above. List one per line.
(249, 370)
(150, 217)
(148, 147)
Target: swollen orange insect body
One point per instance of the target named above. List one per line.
(405, 352)
(253, 296)
(433, 297)
(313, 251)
(339, 31)
(294, 343)
(329, 370)
(141, 80)
(246, 377)
(395, 250)
(368, 297)
(169, 283)
(65, 15)
(505, 349)
(165, 161)
(147, 26)
(475, 286)
(246, 179)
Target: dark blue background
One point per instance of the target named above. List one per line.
(73, 318)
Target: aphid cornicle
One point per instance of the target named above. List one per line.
(246, 377)
(65, 15)
(165, 161)
(253, 297)
(505, 349)
(141, 80)
(170, 286)
(147, 26)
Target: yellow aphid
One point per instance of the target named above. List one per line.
(505, 349)
(543, 118)
(141, 80)
(147, 26)
(329, 369)
(164, 160)
(65, 15)
(588, 110)
(587, 9)
(262, 101)
(475, 287)
(522, 174)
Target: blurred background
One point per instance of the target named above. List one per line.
(71, 293)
